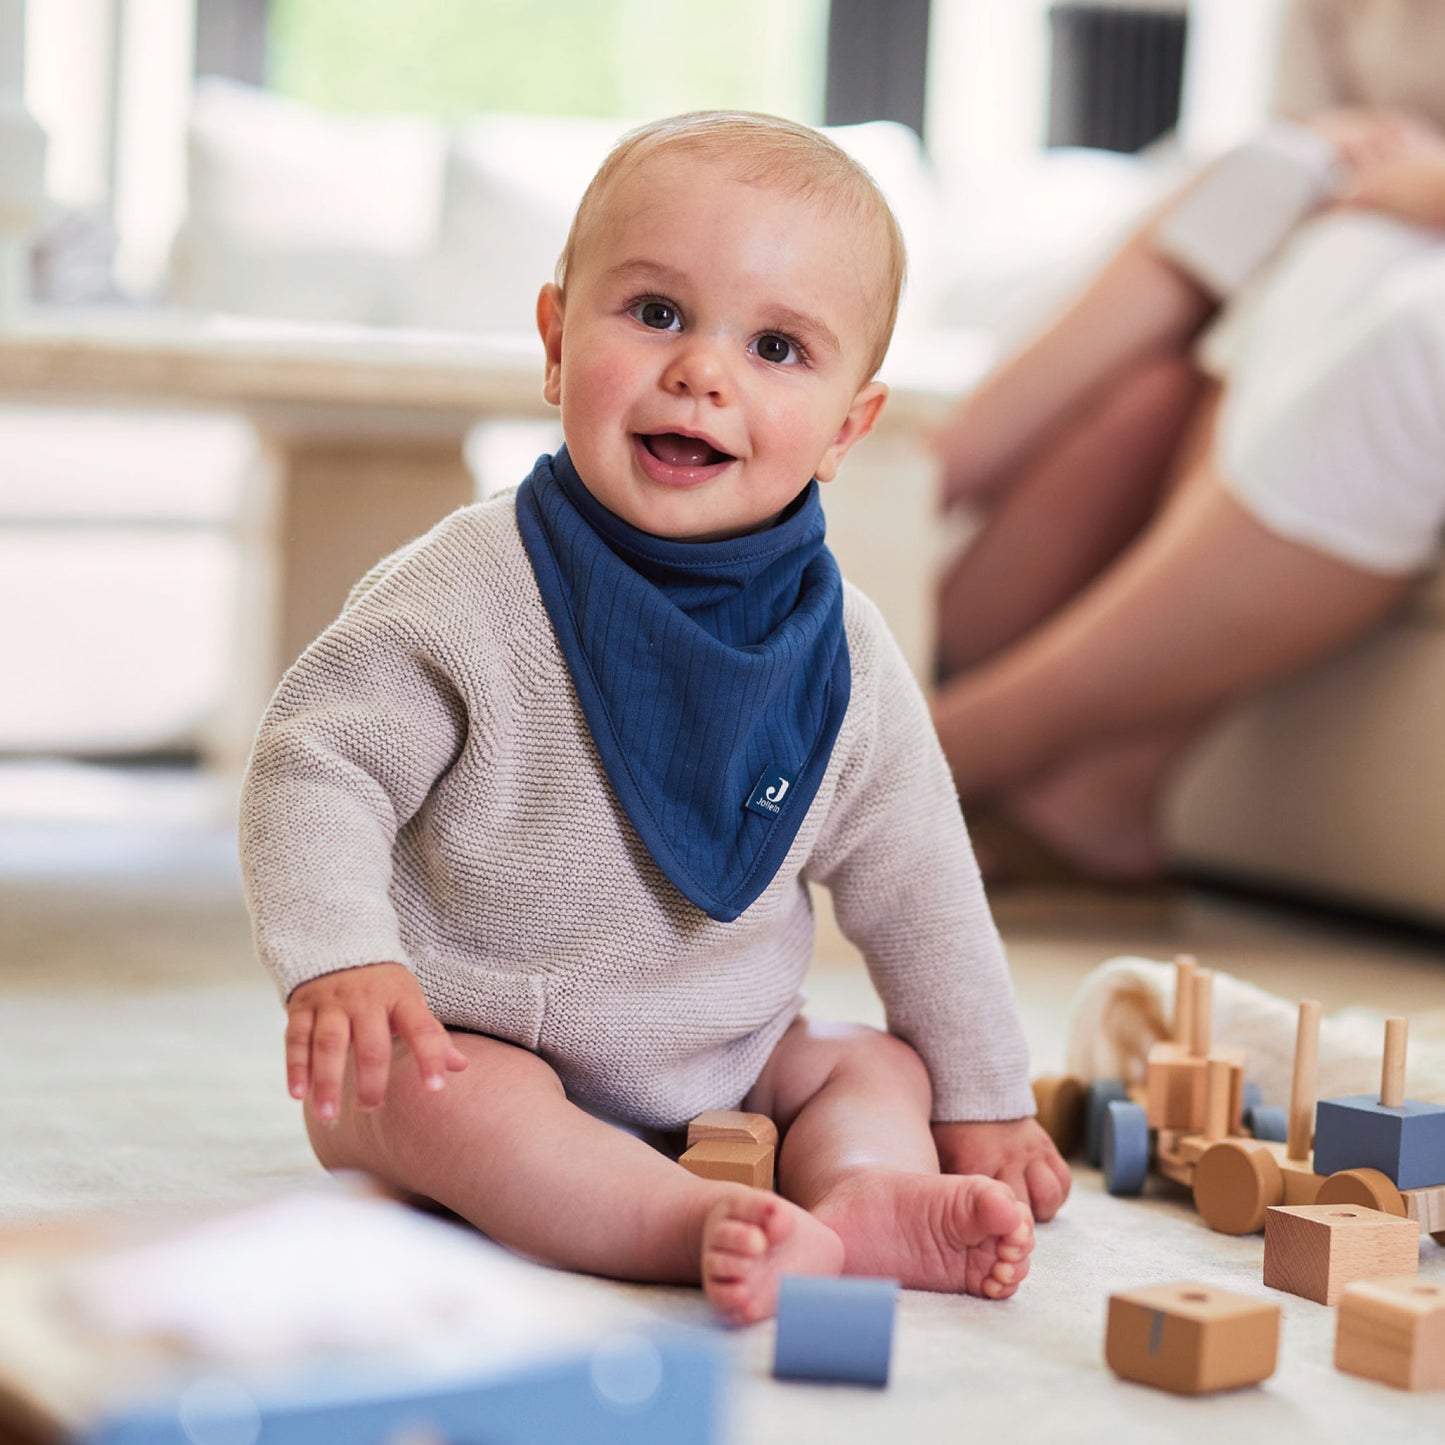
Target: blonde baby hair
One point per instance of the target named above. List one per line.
(763, 150)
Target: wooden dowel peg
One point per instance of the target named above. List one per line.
(1184, 969)
(1203, 1021)
(1303, 1082)
(1392, 1070)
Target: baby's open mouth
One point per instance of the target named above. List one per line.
(676, 450)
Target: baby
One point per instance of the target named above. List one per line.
(528, 831)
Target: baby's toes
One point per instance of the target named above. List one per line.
(733, 1236)
(1013, 1249)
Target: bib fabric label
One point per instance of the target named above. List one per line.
(769, 792)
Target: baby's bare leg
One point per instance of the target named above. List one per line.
(503, 1147)
(858, 1154)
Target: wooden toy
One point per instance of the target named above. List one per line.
(1315, 1250)
(739, 1163)
(1235, 1181)
(832, 1328)
(732, 1145)
(1191, 1338)
(1192, 1098)
(1060, 1100)
(1393, 1330)
(733, 1125)
(1402, 1138)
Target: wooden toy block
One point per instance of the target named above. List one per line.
(726, 1159)
(1393, 1330)
(1191, 1338)
(1316, 1250)
(1174, 1083)
(1059, 1098)
(1404, 1138)
(1427, 1208)
(835, 1329)
(733, 1125)
(1405, 1141)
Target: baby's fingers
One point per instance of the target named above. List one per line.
(1048, 1187)
(431, 1045)
(299, 1027)
(371, 1043)
(330, 1041)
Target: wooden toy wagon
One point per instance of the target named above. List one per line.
(1194, 1120)
(1386, 1153)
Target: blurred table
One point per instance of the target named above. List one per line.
(364, 431)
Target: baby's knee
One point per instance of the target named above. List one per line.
(886, 1055)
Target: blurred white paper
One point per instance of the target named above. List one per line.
(330, 1272)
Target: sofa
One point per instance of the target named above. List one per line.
(1322, 786)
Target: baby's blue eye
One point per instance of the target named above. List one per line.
(660, 315)
(775, 348)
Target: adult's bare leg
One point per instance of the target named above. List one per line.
(1205, 606)
(1070, 513)
(1138, 305)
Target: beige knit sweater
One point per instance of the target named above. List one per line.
(424, 789)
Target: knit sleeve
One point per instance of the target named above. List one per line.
(906, 890)
(359, 730)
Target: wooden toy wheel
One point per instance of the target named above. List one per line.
(1101, 1093)
(1267, 1121)
(1126, 1147)
(1368, 1188)
(1059, 1099)
(1235, 1181)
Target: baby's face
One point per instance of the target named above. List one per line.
(709, 354)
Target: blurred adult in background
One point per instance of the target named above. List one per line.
(1224, 460)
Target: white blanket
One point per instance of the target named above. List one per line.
(1126, 1004)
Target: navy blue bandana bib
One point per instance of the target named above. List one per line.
(713, 676)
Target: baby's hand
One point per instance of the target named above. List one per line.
(360, 1011)
(1016, 1151)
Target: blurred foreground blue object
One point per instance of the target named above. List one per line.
(634, 1390)
(835, 1329)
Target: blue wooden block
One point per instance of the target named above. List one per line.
(1406, 1142)
(835, 1329)
(637, 1390)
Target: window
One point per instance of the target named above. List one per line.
(565, 57)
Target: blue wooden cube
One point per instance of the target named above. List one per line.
(835, 1329)
(1405, 1141)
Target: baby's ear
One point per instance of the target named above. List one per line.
(549, 324)
(861, 419)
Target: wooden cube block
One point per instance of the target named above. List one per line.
(1393, 1330)
(1191, 1338)
(734, 1125)
(1315, 1250)
(1174, 1084)
(1427, 1208)
(738, 1163)
(1406, 1141)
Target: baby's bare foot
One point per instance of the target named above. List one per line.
(749, 1240)
(957, 1233)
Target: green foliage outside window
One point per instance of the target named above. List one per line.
(630, 58)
